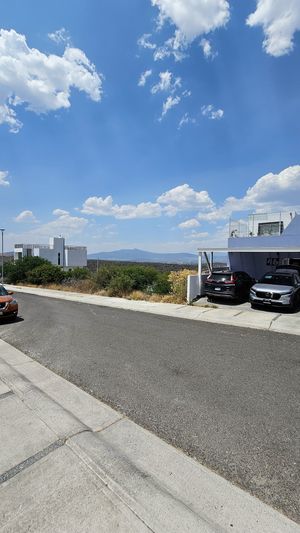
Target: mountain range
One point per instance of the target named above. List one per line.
(142, 256)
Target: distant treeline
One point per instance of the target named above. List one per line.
(93, 264)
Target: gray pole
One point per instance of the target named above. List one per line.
(2, 255)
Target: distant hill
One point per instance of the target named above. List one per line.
(142, 256)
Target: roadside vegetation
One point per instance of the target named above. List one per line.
(136, 282)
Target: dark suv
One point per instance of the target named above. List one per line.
(228, 284)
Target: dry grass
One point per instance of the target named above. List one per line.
(88, 287)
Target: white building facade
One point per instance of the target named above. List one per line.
(56, 252)
(256, 245)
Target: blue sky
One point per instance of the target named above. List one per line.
(146, 123)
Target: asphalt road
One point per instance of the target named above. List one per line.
(226, 396)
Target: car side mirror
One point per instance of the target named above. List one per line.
(10, 292)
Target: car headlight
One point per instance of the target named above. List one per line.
(13, 302)
(252, 291)
(287, 293)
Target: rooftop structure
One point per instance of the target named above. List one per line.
(57, 252)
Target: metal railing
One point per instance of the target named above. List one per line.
(261, 224)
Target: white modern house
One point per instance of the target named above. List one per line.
(57, 252)
(255, 245)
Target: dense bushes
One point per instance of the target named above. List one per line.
(17, 272)
(114, 280)
(40, 272)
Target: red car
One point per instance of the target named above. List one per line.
(8, 304)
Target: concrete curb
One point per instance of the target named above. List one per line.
(68, 459)
(268, 321)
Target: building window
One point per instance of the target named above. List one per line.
(28, 252)
(270, 228)
(58, 259)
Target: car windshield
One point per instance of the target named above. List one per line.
(221, 276)
(278, 279)
(3, 292)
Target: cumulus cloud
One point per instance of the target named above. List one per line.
(106, 207)
(194, 17)
(207, 48)
(280, 20)
(60, 36)
(167, 82)
(39, 81)
(188, 224)
(270, 192)
(185, 198)
(25, 216)
(3, 178)
(60, 212)
(66, 225)
(143, 78)
(211, 112)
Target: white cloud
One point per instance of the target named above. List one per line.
(194, 17)
(196, 235)
(270, 192)
(184, 198)
(66, 225)
(188, 224)
(166, 83)
(280, 20)
(207, 48)
(144, 42)
(60, 36)
(143, 78)
(3, 181)
(106, 207)
(176, 46)
(25, 216)
(211, 112)
(39, 81)
(60, 212)
(170, 102)
(8, 116)
(186, 119)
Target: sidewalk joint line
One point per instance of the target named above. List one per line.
(12, 472)
(5, 394)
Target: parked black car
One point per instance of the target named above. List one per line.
(277, 289)
(228, 284)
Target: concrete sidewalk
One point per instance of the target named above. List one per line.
(239, 315)
(69, 463)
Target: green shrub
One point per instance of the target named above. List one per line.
(162, 285)
(77, 273)
(142, 277)
(120, 285)
(17, 272)
(43, 274)
(104, 276)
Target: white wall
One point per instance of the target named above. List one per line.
(193, 287)
(76, 257)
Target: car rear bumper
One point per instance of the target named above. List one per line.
(221, 294)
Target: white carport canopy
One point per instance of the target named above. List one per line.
(209, 253)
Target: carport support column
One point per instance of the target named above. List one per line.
(200, 272)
